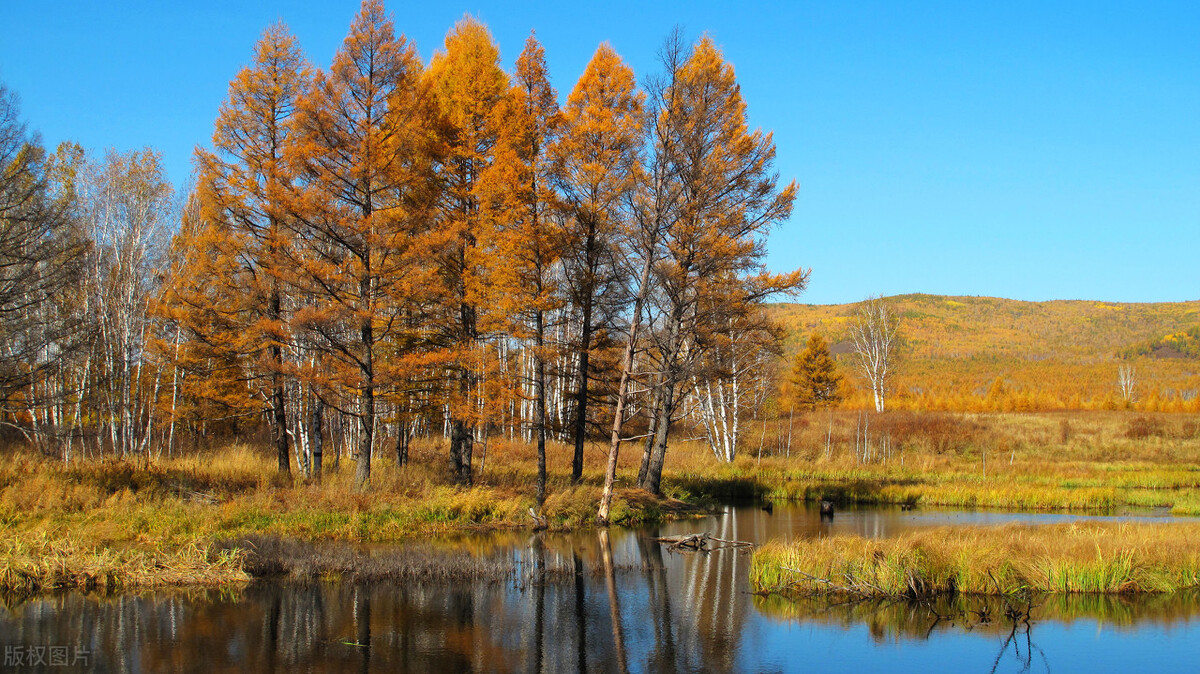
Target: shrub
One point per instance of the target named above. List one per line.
(1142, 427)
(932, 431)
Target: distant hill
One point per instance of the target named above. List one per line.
(1045, 355)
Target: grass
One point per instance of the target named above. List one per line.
(1094, 558)
(49, 563)
(108, 524)
(1046, 461)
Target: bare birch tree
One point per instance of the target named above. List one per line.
(41, 250)
(1126, 379)
(732, 382)
(874, 332)
(129, 206)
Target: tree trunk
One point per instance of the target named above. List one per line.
(539, 413)
(461, 441)
(279, 413)
(581, 395)
(666, 407)
(651, 429)
(362, 472)
(318, 437)
(614, 443)
(402, 436)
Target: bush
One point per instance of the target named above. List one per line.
(1143, 427)
(932, 431)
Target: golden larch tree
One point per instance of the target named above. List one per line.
(596, 160)
(468, 86)
(526, 237)
(362, 153)
(712, 268)
(240, 189)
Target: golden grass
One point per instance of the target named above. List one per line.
(51, 563)
(229, 493)
(109, 524)
(1015, 461)
(1103, 558)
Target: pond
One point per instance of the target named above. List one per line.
(602, 601)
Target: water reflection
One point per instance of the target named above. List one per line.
(604, 601)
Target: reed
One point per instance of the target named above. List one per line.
(47, 563)
(1100, 558)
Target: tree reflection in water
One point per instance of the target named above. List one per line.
(608, 600)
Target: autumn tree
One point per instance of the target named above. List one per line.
(652, 206)
(468, 87)
(128, 206)
(361, 152)
(1126, 379)
(875, 330)
(41, 252)
(732, 379)
(200, 311)
(526, 235)
(815, 380)
(231, 298)
(596, 160)
(714, 245)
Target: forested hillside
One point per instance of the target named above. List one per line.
(992, 353)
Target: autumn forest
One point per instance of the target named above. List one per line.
(385, 249)
(382, 251)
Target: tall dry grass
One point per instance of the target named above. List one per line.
(1069, 558)
(1102, 460)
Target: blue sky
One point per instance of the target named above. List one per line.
(1032, 150)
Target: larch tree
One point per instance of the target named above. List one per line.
(242, 188)
(653, 205)
(468, 86)
(201, 311)
(714, 245)
(815, 380)
(361, 150)
(526, 237)
(596, 162)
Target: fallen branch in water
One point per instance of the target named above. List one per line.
(699, 543)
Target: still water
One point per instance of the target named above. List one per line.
(601, 601)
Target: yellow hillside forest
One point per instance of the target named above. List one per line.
(984, 354)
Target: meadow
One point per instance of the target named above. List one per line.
(178, 520)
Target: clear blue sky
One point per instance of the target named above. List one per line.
(1032, 150)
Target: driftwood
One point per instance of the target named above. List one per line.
(699, 543)
(539, 521)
